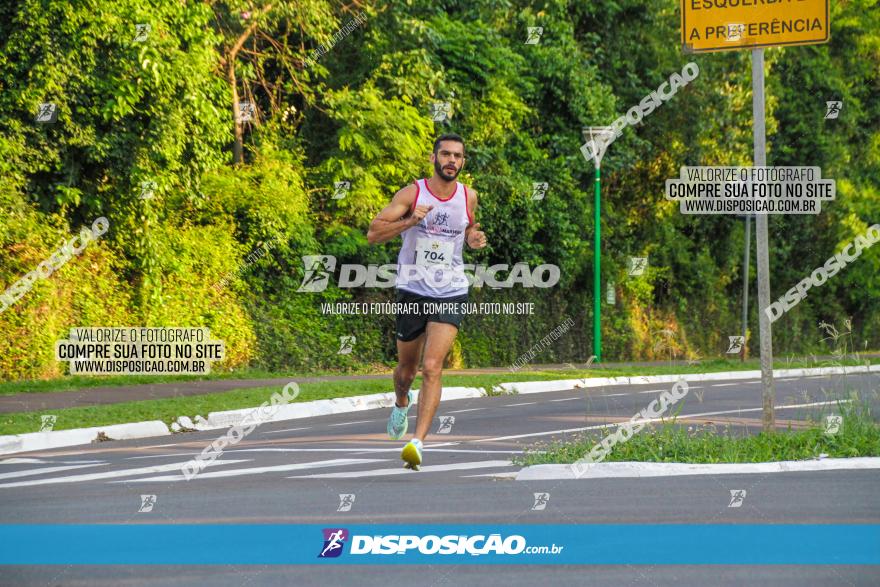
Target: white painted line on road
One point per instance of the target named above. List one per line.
(653, 391)
(568, 399)
(19, 461)
(561, 431)
(40, 471)
(111, 474)
(680, 417)
(502, 475)
(348, 450)
(194, 452)
(28, 461)
(631, 469)
(469, 410)
(524, 404)
(732, 384)
(286, 430)
(433, 448)
(482, 452)
(257, 470)
(401, 471)
(357, 422)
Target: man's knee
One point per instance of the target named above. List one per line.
(406, 371)
(432, 368)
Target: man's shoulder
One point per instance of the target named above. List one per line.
(469, 190)
(407, 193)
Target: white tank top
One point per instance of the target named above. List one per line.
(430, 263)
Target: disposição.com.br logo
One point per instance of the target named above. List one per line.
(453, 544)
(318, 270)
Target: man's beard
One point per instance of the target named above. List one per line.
(445, 174)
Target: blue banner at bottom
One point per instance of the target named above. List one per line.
(590, 544)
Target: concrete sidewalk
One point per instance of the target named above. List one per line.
(94, 396)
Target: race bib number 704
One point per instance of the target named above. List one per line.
(431, 252)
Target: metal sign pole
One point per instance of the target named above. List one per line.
(746, 254)
(763, 260)
(597, 272)
(594, 136)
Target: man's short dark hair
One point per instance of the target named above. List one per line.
(448, 137)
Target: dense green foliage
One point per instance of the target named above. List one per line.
(162, 110)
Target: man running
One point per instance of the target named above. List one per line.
(435, 217)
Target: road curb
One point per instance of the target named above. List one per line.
(633, 469)
(59, 438)
(326, 407)
(17, 443)
(563, 384)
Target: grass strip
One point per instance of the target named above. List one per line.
(671, 442)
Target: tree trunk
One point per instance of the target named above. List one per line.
(237, 145)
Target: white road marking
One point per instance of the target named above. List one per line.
(482, 452)
(112, 474)
(286, 430)
(468, 410)
(401, 471)
(358, 422)
(194, 452)
(29, 461)
(16, 461)
(369, 450)
(680, 417)
(568, 399)
(732, 384)
(503, 475)
(41, 471)
(348, 450)
(257, 470)
(523, 404)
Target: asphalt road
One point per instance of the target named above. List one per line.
(294, 472)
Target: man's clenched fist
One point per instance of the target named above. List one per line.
(419, 213)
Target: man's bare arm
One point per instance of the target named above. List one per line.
(473, 236)
(396, 216)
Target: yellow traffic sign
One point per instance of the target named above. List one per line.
(721, 25)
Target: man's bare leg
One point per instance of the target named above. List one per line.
(408, 355)
(439, 338)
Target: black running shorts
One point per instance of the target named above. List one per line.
(419, 310)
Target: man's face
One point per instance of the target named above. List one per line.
(448, 160)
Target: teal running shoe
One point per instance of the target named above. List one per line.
(397, 421)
